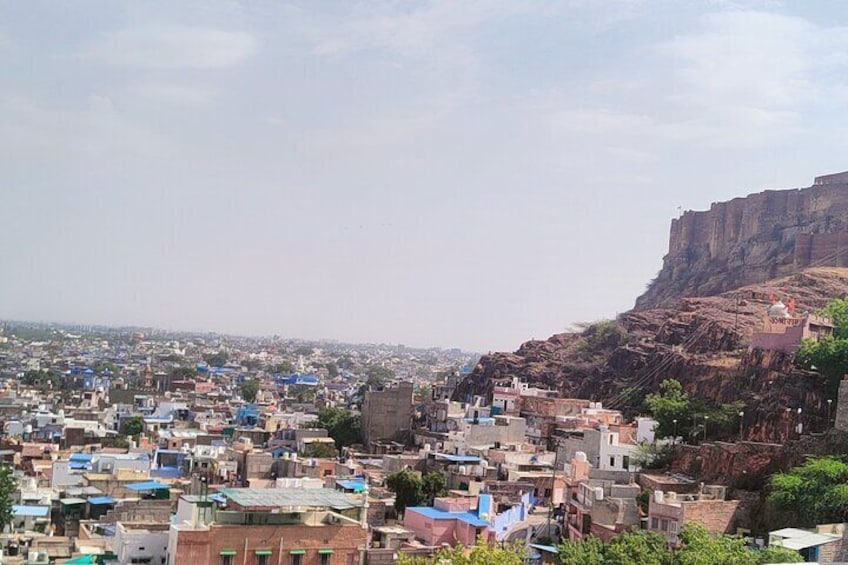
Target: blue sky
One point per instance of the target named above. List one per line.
(468, 174)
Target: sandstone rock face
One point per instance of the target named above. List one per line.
(702, 342)
(753, 239)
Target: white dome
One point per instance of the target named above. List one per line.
(778, 310)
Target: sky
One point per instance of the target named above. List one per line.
(465, 174)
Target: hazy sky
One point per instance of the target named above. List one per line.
(453, 173)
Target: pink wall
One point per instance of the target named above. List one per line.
(433, 532)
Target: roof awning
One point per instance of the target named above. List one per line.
(298, 552)
(227, 552)
(262, 552)
(325, 551)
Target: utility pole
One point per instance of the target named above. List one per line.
(553, 488)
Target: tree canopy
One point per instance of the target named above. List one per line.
(671, 403)
(132, 426)
(218, 359)
(480, 554)
(341, 425)
(413, 489)
(830, 355)
(8, 490)
(697, 547)
(249, 390)
(813, 493)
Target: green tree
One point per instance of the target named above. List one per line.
(341, 425)
(773, 554)
(433, 484)
(590, 551)
(8, 490)
(283, 368)
(249, 390)
(698, 547)
(837, 310)
(332, 370)
(218, 359)
(320, 451)
(479, 554)
(813, 493)
(668, 404)
(673, 410)
(133, 426)
(377, 375)
(181, 373)
(408, 488)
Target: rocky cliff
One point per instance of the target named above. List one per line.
(700, 341)
(753, 239)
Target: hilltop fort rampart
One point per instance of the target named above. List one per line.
(752, 239)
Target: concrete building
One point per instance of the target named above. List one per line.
(269, 526)
(387, 413)
(668, 512)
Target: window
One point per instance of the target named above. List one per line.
(324, 559)
(296, 556)
(664, 525)
(655, 524)
(263, 556)
(226, 560)
(673, 527)
(625, 461)
(612, 461)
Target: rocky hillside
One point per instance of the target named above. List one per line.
(753, 239)
(701, 341)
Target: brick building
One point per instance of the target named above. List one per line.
(387, 413)
(269, 526)
(669, 512)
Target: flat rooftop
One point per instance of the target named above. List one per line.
(290, 498)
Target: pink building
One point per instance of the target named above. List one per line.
(784, 333)
(450, 520)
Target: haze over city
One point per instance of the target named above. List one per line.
(468, 174)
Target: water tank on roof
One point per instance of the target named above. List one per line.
(463, 469)
(658, 496)
(580, 456)
(599, 493)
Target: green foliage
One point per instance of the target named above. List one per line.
(479, 554)
(829, 357)
(697, 547)
(249, 390)
(590, 551)
(671, 403)
(413, 489)
(341, 425)
(408, 488)
(332, 370)
(121, 442)
(377, 375)
(284, 368)
(8, 490)
(133, 426)
(320, 451)
(814, 493)
(43, 379)
(774, 554)
(218, 359)
(181, 373)
(433, 484)
(601, 336)
(837, 310)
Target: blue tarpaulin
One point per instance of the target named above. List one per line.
(101, 500)
(148, 485)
